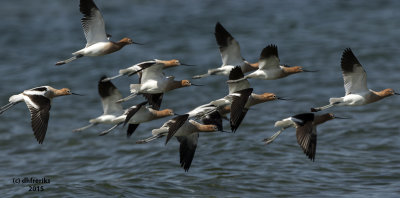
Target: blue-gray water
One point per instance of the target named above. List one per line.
(358, 157)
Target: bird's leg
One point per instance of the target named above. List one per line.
(273, 137)
(111, 78)
(109, 130)
(200, 76)
(84, 128)
(149, 139)
(127, 98)
(7, 106)
(322, 108)
(69, 60)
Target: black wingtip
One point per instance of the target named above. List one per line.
(304, 117)
(270, 50)
(348, 60)
(105, 88)
(222, 35)
(236, 73)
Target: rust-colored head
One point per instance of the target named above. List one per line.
(62, 92)
(170, 63)
(208, 128)
(268, 97)
(185, 83)
(387, 92)
(165, 113)
(125, 41)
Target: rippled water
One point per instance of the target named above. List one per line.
(358, 157)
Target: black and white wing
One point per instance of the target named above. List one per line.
(187, 149)
(269, 59)
(354, 76)
(92, 23)
(39, 107)
(109, 96)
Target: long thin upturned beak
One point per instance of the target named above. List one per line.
(76, 94)
(281, 98)
(306, 70)
(341, 117)
(395, 93)
(196, 85)
(184, 64)
(137, 43)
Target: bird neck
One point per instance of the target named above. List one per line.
(162, 113)
(169, 63)
(322, 118)
(259, 98)
(204, 127)
(291, 70)
(378, 95)
(174, 85)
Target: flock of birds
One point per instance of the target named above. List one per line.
(153, 83)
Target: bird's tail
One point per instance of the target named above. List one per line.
(69, 60)
(285, 123)
(109, 130)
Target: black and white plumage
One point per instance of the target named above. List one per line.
(306, 130)
(38, 101)
(230, 54)
(355, 85)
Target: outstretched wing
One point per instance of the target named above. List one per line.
(307, 138)
(92, 23)
(174, 124)
(187, 149)
(238, 111)
(39, 107)
(269, 58)
(233, 85)
(109, 96)
(228, 46)
(354, 76)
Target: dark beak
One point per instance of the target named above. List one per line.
(396, 93)
(196, 85)
(177, 114)
(76, 94)
(341, 117)
(184, 64)
(137, 43)
(305, 70)
(281, 98)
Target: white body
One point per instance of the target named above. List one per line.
(97, 49)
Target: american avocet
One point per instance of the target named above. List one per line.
(146, 64)
(137, 114)
(230, 53)
(242, 97)
(187, 133)
(269, 67)
(114, 113)
(153, 81)
(97, 40)
(355, 85)
(306, 130)
(38, 101)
